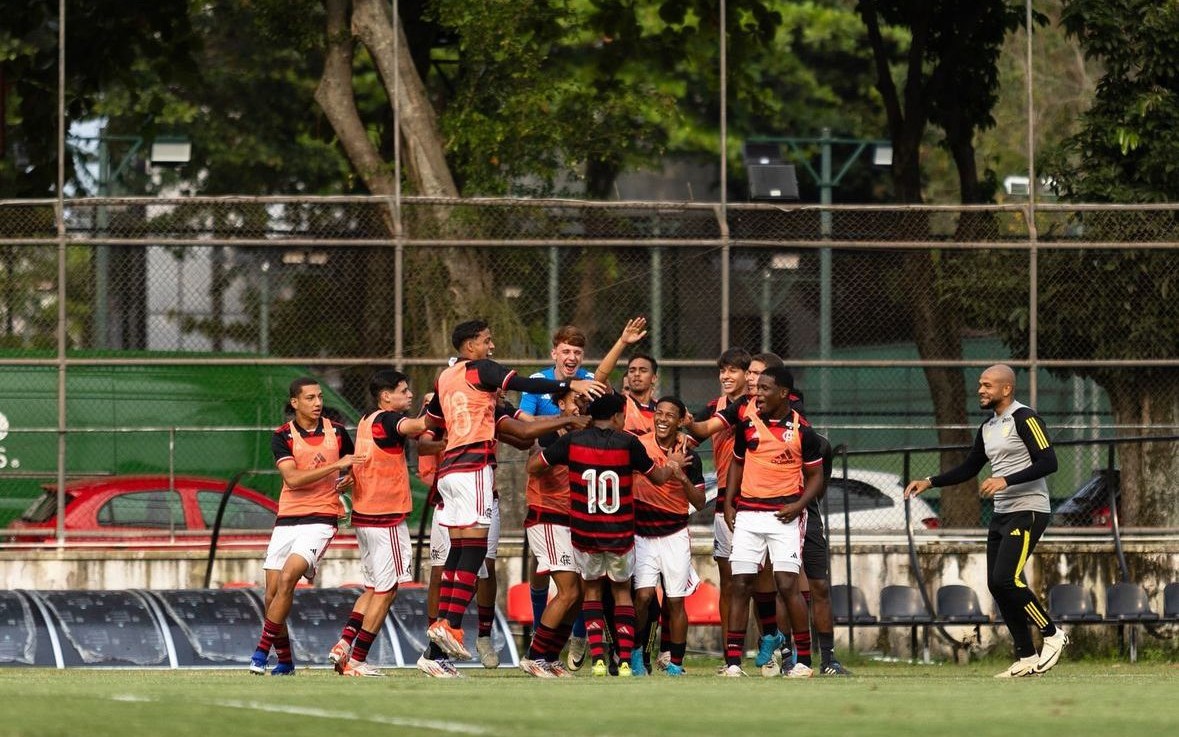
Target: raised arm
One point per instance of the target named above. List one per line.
(634, 331)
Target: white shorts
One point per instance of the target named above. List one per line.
(670, 557)
(466, 498)
(309, 542)
(440, 539)
(386, 558)
(756, 533)
(552, 547)
(594, 566)
(722, 538)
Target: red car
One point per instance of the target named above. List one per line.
(149, 511)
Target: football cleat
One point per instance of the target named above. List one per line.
(767, 649)
(731, 671)
(663, 660)
(1050, 652)
(538, 668)
(600, 670)
(440, 668)
(488, 655)
(1022, 667)
(834, 668)
(558, 669)
(449, 639)
(575, 657)
(637, 667)
(624, 670)
(339, 655)
(258, 663)
(361, 669)
(675, 670)
(283, 669)
(798, 670)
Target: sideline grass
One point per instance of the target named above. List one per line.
(1075, 700)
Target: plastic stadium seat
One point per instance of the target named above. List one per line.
(860, 614)
(1072, 603)
(958, 604)
(703, 606)
(1126, 605)
(1171, 602)
(903, 605)
(1127, 602)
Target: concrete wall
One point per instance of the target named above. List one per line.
(874, 566)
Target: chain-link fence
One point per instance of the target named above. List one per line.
(196, 313)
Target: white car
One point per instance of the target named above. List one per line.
(875, 501)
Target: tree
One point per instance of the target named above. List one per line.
(949, 80)
(1121, 304)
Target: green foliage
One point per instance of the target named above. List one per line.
(1128, 146)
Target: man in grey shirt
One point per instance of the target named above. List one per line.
(1016, 444)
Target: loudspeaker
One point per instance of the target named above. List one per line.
(772, 182)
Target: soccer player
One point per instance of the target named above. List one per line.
(602, 460)
(568, 352)
(776, 471)
(381, 501)
(1015, 442)
(547, 526)
(663, 549)
(464, 401)
(310, 452)
(739, 373)
(733, 366)
(816, 570)
(642, 373)
(516, 428)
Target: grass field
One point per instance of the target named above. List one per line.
(897, 700)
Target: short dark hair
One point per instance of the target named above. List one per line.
(298, 384)
(606, 406)
(781, 376)
(736, 357)
(570, 334)
(645, 357)
(769, 360)
(465, 331)
(670, 399)
(385, 379)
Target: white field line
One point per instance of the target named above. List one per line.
(432, 724)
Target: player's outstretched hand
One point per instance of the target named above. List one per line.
(917, 486)
(589, 387)
(579, 422)
(635, 330)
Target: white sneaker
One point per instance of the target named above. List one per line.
(1022, 667)
(558, 669)
(731, 671)
(798, 670)
(440, 668)
(487, 652)
(361, 669)
(537, 668)
(575, 656)
(773, 669)
(663, 660)
(1050, 652)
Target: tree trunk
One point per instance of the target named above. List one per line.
(1148, 470)
(937, 332)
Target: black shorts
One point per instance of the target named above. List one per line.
(814, 550)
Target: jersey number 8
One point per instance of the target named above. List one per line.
(601, 491)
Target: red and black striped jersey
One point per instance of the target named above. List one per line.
(602, 463)
(479, 377)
